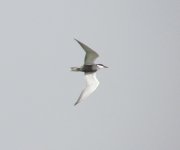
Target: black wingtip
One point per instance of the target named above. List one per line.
(76, 40)
(76, 103)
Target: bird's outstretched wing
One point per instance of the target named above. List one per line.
(91, 85)
(91, 55)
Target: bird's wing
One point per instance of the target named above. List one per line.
(91, 85)
(91, 55)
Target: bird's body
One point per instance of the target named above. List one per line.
(86, 68)
(89, 68)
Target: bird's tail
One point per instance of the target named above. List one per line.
(75, 69)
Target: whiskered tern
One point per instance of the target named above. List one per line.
(89, 68)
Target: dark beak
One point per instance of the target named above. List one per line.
(106, 67)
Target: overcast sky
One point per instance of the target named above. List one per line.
(136, 106)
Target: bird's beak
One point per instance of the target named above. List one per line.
(106, 67)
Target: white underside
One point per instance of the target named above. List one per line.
(91, 85)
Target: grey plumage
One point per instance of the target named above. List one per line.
(91, 55)
(89, 68)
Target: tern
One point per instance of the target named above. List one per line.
(89, 68)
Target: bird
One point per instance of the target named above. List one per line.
(89, 68)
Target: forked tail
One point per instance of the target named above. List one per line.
(75, 69)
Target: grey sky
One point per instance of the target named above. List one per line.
(136, 106)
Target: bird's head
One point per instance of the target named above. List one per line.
(100, 66)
